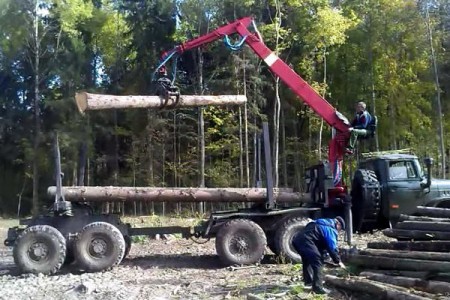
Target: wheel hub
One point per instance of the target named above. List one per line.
(38, 251)
(240, 244)
(98, 247)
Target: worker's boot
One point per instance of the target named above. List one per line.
(321, 290)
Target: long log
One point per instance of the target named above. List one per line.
(432, 246)
(435, 287)
(418, 235)
(422, 225)
(86, 101)
(439, 256)
(422, 219)
(382, 291)
(413, 274)
(160, 194)
(434, 212)
(429, 275)
(390, 263)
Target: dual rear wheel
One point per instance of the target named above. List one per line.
(43, 249)
(243, 242)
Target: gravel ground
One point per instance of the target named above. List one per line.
(166, 269)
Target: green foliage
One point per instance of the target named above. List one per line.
(376, 51)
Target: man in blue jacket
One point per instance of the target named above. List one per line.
(317, 237)
(359, 126)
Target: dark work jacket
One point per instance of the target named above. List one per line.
(318, 236)
(361, 120)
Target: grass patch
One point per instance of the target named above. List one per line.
(7, 223)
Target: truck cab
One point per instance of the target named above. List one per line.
(402, 186)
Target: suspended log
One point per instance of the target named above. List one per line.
(435, 287)
(432, 246)
(381, 290)
(434, 212)
(407, 254)
(422, 219)
(392, 263)
(86, 101)
(159, 194)
(419, 235)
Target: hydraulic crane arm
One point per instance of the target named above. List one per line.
(299, 86)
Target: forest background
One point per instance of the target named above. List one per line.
(392, 54)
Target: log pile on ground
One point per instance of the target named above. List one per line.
(417, 264)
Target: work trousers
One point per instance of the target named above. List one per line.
(312, 269)
(354, 136)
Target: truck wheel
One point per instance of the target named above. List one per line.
(40, 249)
(127, 239)
(240, 242)
(284, 236)
(366, 199)
(99, 246)
(70, 258)
(271, 243)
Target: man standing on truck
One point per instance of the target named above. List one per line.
(318, 236)
(359, 125)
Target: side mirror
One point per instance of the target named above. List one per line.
(428, 162)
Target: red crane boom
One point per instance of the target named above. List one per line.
(299, 86)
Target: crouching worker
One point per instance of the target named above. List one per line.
(318, 236)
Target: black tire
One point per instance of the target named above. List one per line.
(70, 256)
(40, 249)
(271, 243)
(99, 246)
(240, 242)
(285, 235)
(127, 239)
(366, 200)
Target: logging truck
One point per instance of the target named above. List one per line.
(72, 231)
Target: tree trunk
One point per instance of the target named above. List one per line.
(407, 254)
(423, 219)
(422, 235)
(37, 118)
(383, 291)
(390, 263)
(438, 96)
(284, 157)
(161, 194)
(434, 212)
(86, 101)
(435, 287)
(435, 246)
(422, 225)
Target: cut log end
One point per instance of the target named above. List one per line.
(81, 100)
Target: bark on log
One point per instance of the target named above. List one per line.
(413, 274)
(431, 246)
(389, 263)
(435, 287)
(422, 219)
(382, 291)
(422, 225)
(86, 101)
(159, 194)
(418, 235)
(439, 256)
(442, 277)
(433, 212)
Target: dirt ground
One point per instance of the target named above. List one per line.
(171, 268)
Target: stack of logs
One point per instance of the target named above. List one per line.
(417, 266)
